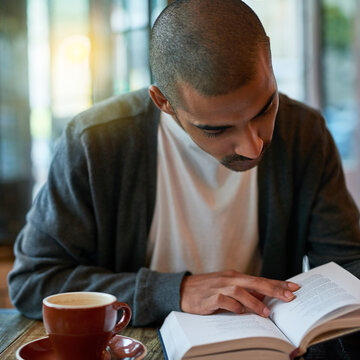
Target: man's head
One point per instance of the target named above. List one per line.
(212, 65)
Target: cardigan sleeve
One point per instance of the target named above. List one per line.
(60, 248)
(334, 231)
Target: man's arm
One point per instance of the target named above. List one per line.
(72, 241)
(334, 228)
(43, 267)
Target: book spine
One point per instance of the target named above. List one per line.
(162, 345)
(294, 354)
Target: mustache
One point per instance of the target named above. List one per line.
(229, 159)
(235, 158)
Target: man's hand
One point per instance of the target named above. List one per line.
(231, 291)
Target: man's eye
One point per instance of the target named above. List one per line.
(269, 107)
(267, 110)
(213, 133)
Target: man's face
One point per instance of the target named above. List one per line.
(235, 128)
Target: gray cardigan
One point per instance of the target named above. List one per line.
(88, 227)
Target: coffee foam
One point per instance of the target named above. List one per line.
(79, 300)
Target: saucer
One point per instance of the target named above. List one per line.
(123, 347)
(120, 348)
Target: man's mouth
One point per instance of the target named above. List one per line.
(242, 163)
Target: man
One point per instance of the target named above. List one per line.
(182, 205)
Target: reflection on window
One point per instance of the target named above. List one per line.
(130, 23)
(39, 88)
(339, 74)
(79, 51)
(284, 26)
(131, 60)
(59, 73)
(314, 48)
(15, 141)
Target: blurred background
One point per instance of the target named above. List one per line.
(58, 57)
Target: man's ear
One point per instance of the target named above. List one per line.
(269, 42)
(160, 100)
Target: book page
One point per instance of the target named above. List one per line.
(181, 331)
(323, 290)
(203, 329)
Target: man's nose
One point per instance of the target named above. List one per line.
(248, 143)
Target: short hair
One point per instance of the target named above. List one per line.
(212, 45)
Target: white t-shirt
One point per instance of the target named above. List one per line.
(206, 216)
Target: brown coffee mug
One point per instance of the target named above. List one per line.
(80, 324)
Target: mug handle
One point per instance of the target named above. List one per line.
(125, 319)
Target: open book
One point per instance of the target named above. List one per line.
(326, 306)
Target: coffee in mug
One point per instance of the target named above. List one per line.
(80, 324)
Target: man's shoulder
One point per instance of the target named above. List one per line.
(289, 107)
(295, 118)
(117, 110)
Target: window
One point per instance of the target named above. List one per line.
(284, 27)
(316, 58)
(15, 141)
(340, 74)
(131, 22)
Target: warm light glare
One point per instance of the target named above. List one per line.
(76, 49)
(71, 86)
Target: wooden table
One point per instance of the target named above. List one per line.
(16, 330)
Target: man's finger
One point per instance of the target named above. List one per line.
(248, 300)
(273, 288)
(224, 302)
(257, 295)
